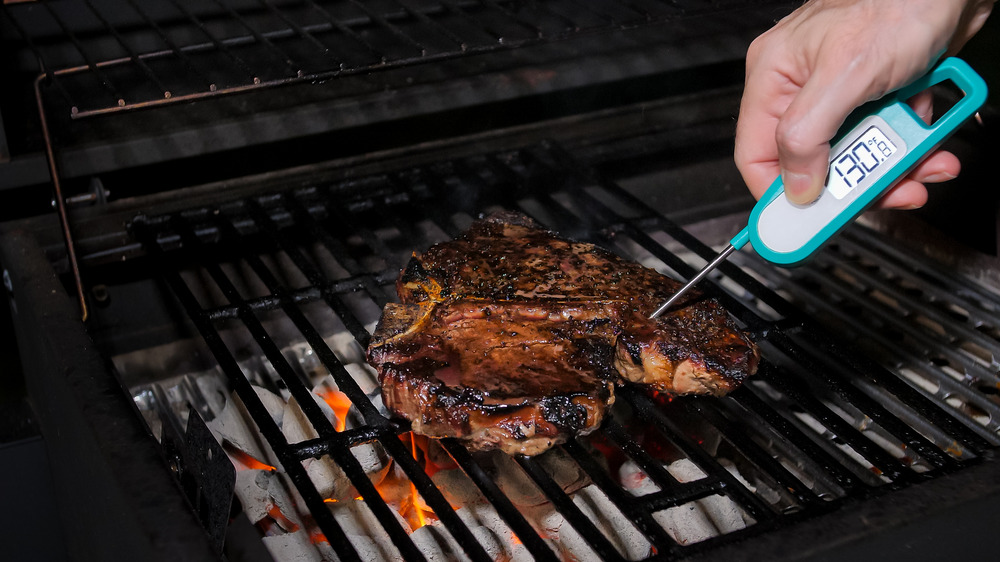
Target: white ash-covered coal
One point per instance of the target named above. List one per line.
(272, 503)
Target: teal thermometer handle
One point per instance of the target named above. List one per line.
(884, 141)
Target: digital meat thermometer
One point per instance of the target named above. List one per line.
(884, 140)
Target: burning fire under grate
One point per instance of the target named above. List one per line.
(877, 373)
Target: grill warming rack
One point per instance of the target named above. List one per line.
(856, 388)
(105, 56)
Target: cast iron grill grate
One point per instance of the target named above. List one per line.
(824, 421)
(104, 56)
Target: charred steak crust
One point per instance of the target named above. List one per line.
(696, 348)
(519, 377)
(559, 320)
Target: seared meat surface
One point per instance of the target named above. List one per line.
(515, 376)
(510, 337)
(696, 348)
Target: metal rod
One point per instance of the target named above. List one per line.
(219, 45)
(104, 79)
(174, 48)
(530, 538)
(60, 201)
(132, 55)
(694, 280)
(302, 32)
(564, 504)
(265, 423)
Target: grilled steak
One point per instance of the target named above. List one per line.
(516, 376)
(696, 348)
(511, 337)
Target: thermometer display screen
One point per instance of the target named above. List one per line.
(859, 162)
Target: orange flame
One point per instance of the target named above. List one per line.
(432, 463)
(415, 499)
(317, 537)
(396, 489)
(243, 461)
(340, 404)
(285, 523)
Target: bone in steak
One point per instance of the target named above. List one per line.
(507, 264)
(696, 348)
(515, 376)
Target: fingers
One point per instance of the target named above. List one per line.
(906, 195)
(810, 71)
(755, 153)
(911, 192)
(813, 118)
(938, 167)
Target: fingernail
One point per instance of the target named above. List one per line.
(800, 189)
(939, 177)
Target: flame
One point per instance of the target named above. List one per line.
(285, 523)
(243, 461)
(341, 405)
(397, 490)
(415, 499)
(317, 537)
(431, 463)
(416, 508)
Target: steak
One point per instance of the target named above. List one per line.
(511, 337)
(516, 376)
(695, 348)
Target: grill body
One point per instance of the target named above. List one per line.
(873, 419)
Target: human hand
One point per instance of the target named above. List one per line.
(811, 70)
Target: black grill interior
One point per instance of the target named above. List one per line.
(858, 393)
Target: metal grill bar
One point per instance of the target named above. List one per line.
(258, 58)
(649, 411)
(879, 413)
(220, 46)
(901, 320)
(735, 434)
(182, 55)
(265, 424)
(534, 543)
(672, 493)
(843, 477)
(104, 80)
(259, 37)
(424, 485)
(813, 336)
(944, 287)
(802, 365)
(637, 511)
(907, 305)
(871, 408)
(972, 435)
(564, 504)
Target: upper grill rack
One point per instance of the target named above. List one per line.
(819, 424)
(104, 56)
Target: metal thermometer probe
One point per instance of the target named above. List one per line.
(880, 143)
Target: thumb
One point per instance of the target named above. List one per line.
(804, 176)
(804, 131)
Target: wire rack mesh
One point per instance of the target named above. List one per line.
(824, 420)
(104, 56)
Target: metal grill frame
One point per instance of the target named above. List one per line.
(793, 348)
(236, 47)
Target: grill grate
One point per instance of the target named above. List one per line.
(824, 421)
(105, 56)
